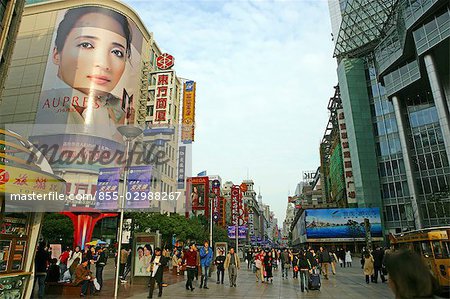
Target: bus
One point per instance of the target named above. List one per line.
(433, 244)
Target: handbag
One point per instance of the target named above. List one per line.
(96, 284)
(295, 268)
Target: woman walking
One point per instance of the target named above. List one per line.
(259, 259)
(368, 266)
(348, 258)
(268, 261)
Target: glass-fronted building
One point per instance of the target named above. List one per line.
(393, 70)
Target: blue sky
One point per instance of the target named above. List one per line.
(264, 72)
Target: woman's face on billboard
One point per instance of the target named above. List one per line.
(94, 54)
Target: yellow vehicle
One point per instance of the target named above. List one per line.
(434, 245)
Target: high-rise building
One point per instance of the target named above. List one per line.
(393, 71)
(10, 16)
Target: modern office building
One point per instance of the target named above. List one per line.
(10, 17)
(393, 71)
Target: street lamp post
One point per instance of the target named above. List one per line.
(130, 133)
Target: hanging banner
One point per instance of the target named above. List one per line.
(235, 204)
(138, 194)
(215, 186)
(242, 234)
(107, 189)
(181, 167)
(188, 120)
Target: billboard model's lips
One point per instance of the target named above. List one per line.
(98, 79)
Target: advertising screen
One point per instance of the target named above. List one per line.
(342, 224)
(91, 82)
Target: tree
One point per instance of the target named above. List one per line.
(184, 229)
(57, 228)
(220, 234)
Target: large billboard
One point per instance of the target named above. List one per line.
(91, 82)
(340, 225)
(197, 191)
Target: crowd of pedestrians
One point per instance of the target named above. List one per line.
(72, 266)
(305, 266)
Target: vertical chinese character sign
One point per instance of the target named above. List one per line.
(163, 95)
(346, 158)
(188, 119)
(216, 191)
(181, 167)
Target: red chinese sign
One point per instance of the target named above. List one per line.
(165, 61)
(162, 98)
(235, 202)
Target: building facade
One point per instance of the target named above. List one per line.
(10, 16)
(393, 71)
(44, 86)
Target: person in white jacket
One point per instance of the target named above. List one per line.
(348, 258)
(74, 255)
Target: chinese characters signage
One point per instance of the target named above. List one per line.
(346, 158)
(163, 94)
(235, 200)
(19, 184)
(187, 131)
(181, 166)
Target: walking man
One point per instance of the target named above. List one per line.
(99, 265)
(191, 265)
(206, 256)
(220, 260)
(378, 256)
(324, 260)
(232, 264)
(304, 269)
(285, 263)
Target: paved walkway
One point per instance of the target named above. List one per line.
(348, 283)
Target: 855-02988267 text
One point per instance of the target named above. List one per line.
(137, 196)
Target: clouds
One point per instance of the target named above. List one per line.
(265, 73)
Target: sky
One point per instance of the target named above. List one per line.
(264, 73)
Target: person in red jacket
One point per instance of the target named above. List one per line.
(63, 259)
(190, 260)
